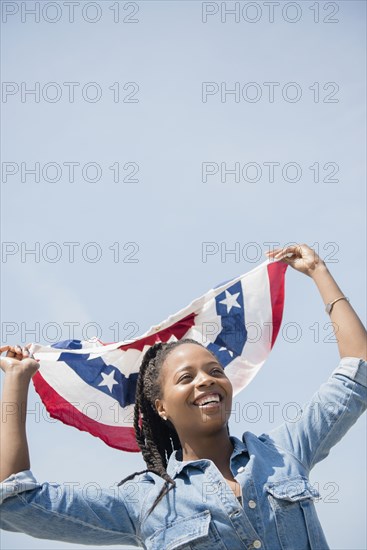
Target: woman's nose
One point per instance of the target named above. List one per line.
(205, 380)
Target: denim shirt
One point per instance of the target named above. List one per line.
(202, 512)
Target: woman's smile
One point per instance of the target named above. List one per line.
(210, 401)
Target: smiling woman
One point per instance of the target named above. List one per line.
(173, 380)
(189, 496)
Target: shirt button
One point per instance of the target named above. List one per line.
(257, 544)
(240, 469)
(252, 504)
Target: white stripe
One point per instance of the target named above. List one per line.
(127, 362)
(241, 372)
(258, 312)
(258, 320)
(93, 403)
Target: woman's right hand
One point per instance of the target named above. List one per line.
(18, 360)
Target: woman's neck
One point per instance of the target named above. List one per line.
(216, 447)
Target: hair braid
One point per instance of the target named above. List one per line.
(157, 439)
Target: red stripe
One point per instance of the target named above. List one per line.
(118, 437)
(276, 274)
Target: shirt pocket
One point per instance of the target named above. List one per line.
(196, 532)
(297, 524)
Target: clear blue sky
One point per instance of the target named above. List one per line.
(161, 131)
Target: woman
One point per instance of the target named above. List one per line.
(203, 489)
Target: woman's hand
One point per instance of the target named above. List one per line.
(18, 360)
(301, 257)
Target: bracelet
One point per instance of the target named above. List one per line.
(330, 306)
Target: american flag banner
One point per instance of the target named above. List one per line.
(91, 385)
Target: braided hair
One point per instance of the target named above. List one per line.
(156, 438)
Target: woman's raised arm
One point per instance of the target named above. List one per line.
(19, 369)
(348, 329)
(49, 510)
(342, 399)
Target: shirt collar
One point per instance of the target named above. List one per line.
(176, 464)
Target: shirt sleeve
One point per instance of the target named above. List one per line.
(68, 512)
(330, 413)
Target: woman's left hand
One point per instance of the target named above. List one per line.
(303, 258)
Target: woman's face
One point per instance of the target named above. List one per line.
(189, 373)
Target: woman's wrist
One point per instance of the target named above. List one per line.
(320, 269)
(16, 379)
(19, 374)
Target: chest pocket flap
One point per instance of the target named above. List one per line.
(295, 515)
(292, 489)
(180, 532)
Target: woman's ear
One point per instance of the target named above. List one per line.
(160, 408)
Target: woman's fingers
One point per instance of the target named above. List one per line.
(287, 251)
(299, 256)
(281, 254)
(18, 359)
(11, 351)
(18, 352)
(15, 351)
(7, 362)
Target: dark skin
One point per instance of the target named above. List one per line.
(190, 371)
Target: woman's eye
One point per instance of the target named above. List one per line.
(221, 371)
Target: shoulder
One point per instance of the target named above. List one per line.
(140, 488)
(265, 447)
(252, 441)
